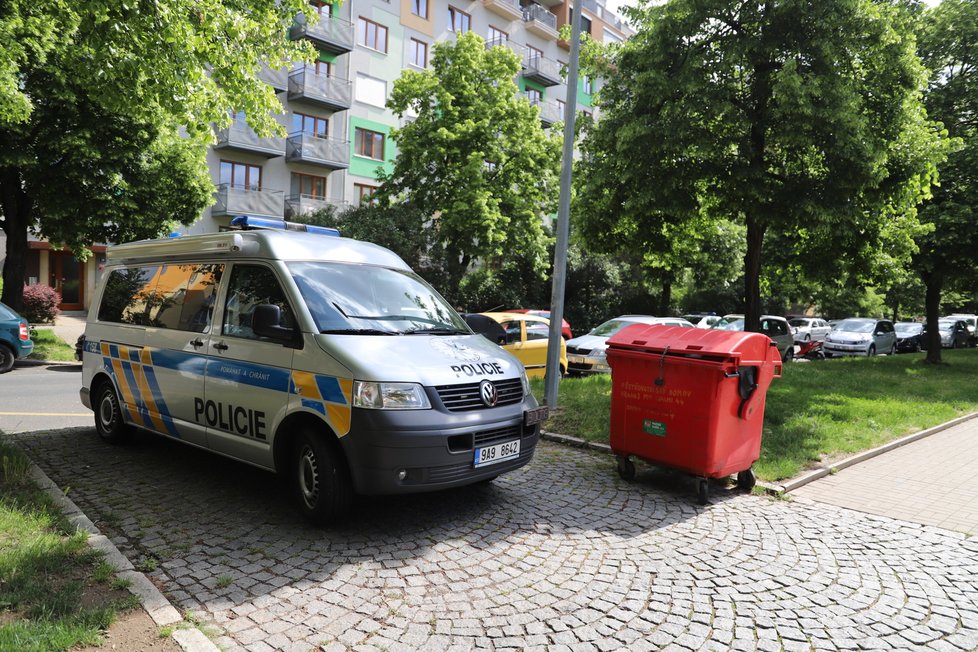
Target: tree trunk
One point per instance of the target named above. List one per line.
(16, 207)
(752, 274)
(665, 298)
(934, 283)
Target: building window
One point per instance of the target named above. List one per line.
(370, 90)
(534, 95)
(496, 36)
(322, 68)
(310, 124)
(369, 143)
(324, 9)
(309, 185)
(417, 53)
(372, 35)
(585, 21)
(419, 8)
(241, 175)
(533, 55)
(586, 85)
(459, 21)
(364, 194)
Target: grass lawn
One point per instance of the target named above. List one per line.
(48, 346)
(55, 591)
(816, 411)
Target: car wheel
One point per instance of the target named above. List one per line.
(320, 481)
(893, 350)
(7, 358)
(872, 350)
(808, 337)
(109, 422)
(789, 354)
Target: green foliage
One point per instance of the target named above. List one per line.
(793, 118)
(475, 158)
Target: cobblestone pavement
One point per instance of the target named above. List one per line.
(561, 555)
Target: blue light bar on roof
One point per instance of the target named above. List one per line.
(252, 222)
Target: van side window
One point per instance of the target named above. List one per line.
(198, 302)
(129, 296)
(251, 286)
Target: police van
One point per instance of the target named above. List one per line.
(322, 358)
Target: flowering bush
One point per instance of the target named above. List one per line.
(40, 303)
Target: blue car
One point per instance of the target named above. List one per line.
(15, 338)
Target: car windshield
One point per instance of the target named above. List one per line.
(945, 324)
(907, 329)
(855, 326)
(373, 300)
(6, 313)
(611, 327)
(799, 322)
(735, 325)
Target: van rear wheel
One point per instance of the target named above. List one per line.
(109, 423)
(320, 481)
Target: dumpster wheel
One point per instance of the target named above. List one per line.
(703, 491)
(626, 469)
(746, 479)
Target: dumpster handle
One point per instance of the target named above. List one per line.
(661, 380)
(748, 384)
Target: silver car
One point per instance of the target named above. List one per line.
(776, 328)
(861, 336)
(588, 354)
(809, 328)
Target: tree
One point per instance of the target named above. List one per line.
(787, 117)
(92, 95)
(949, 48)
(475, 158)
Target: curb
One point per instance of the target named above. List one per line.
(805, 478)
(164, 614)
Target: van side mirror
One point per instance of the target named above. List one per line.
(265, 322)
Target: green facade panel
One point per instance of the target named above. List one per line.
(362, 166)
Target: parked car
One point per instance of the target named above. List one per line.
(565, 329)
(809, 328)
(861, 336)
(908, 336)
(954, 334)
(972, 322)
(587, 354)
(15, 338)
(703, 320)
(525, 336)
(776, 328)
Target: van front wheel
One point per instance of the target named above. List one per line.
(319, 480)
(109, 422)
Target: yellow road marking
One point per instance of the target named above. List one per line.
(45, 414)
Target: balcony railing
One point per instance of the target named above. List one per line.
(296, 205)
(236, 200)
(328, 91)
(242, 138)
(331, 34)
(277, 78)
(508, 9)
(302, 147)
(549, 111)
(540, 21)
(541, 69)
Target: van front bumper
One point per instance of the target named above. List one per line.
(398, 452)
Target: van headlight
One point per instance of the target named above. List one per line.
(525, 380)
(389, 396)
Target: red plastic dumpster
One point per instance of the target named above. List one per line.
(690, 399)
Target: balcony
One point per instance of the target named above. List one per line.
(296, 205)
(541, 70)
(550, 112)
(334, 35)
(334, 93)
(277, 79)
(239, 137)
(236, 200)
(508, 9)
(539, 21)
(309, 148)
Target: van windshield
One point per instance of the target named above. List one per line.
(361, 299)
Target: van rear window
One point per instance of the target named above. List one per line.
(180, 297)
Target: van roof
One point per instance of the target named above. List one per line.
(271, 244)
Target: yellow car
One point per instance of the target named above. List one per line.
(525, 336)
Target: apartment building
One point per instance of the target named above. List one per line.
(338, 128)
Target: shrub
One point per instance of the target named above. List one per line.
(40, 303)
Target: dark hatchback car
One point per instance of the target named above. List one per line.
(15, 338)
(954, 334)
(908, 336)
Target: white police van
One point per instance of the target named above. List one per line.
(322, 358)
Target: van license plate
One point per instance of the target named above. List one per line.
(536, 415)
(497, 453)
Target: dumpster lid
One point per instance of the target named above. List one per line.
(700, 342)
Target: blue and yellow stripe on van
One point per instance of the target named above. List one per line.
(328, 395)
(132, 370)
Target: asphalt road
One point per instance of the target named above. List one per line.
(42, 397)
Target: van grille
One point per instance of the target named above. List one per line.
(461, 398)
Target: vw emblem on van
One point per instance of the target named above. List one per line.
(488, 392)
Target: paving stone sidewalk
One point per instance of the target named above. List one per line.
(561, 555)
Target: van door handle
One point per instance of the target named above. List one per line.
(220, 346)
(196, 343)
